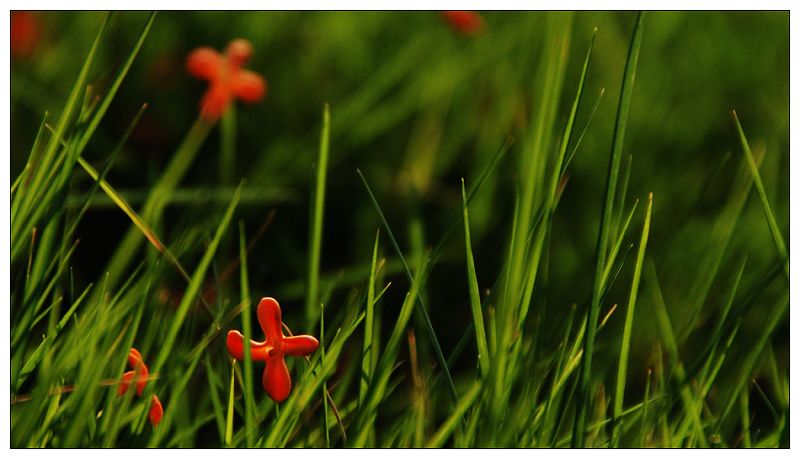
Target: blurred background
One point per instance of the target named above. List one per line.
(416, 105)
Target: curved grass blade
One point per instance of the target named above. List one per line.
(777, 238)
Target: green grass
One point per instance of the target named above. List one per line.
(477, 267)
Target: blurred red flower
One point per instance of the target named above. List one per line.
(227, 79)
(464, 22)
(139, 374)
(26, 32)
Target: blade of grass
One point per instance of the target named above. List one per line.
(325, 382)
(367, 356)
(745, 414)
(386, 364)
(146, 230)
(679, 374)
(315, 237)
(450, 424)
(105, 102)
(422, 310)
(32, 198)
(775, 232)
(194, 287)
(626, 91)
(158, 197)
(249, 394)
(625, 344)
(645, 403)
(229, 418)
(216, 403)
(474, 294)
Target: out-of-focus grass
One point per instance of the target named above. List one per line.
(420, 111)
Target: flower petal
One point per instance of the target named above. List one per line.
(235, 344)
(156, 411)
(276, 380)
(248, 86)
(215, 102)
(299, 345)
(238, 51)
(205, 63)
(269, 317)
(125, 383)
(135, 358)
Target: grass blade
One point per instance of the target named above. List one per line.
(312, 297)
(194, 287)
(679, 373)
(368, 355)
(249, 394)
(447, 428)
(585, 389)
(474, 294)
(625, 345)
(229, 418)
(423, 311)
(777, 238)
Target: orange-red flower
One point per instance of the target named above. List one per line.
(276, 380)
(227, 79)
(139, 375)
(465, 22)
(26, 32)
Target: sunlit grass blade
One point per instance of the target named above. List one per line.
(474, 294)
(229, 417)
(386, 364)
(135, 218)
(368, 353)
(777, 238)
(315, 235)
(36, 195)
(247, 331)
(108, 97)
(625, 344)
(449, 425)
(87, 198)
(158, 197)
(617, 245)
(623, 110)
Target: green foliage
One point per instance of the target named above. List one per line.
(526, 350)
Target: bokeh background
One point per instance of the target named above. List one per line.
(416, 106)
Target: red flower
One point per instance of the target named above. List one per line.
(140, 372)
(276, 380)
(465, 22)
(156, 411)
(226, 77)
(26, 31)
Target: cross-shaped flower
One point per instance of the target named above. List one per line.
(140, 372)
(276, 380)
(226, 77)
